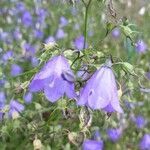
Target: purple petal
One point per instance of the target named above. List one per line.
(55, 89)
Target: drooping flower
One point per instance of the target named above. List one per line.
(96, 135)
(2, 104)
(15, 70)
(17, 34)
(26, 19)
(145, 142)
(148, 75)
(8, 55)
(100, 92)
(114, 134)
(139, 121)
(55, 78)
(34, 61)
(79, 42)
(63, 21)
(92, 145)
(29, 49)
(38, 34)
(50, 39)
(141, 46)
(15, 108)
(60, 34)
(116, 33)
(20, 7)
(28, 97)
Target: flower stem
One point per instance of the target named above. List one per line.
(85, 20)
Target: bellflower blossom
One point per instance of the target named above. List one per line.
(28, 97)
(139, 121)
(29, 49)
(26, 19)
(79, 42)
(60, 34)
(55, 78)
(63, 21)
(100, 92)
(92, 145)
(20, 6)
(15, 70)
(116, 33)
(2, 104)
(38, 34)
(8, 55)
(50, 39)
(145, 142)
(114, 134)
(140, 46)
(15, 108)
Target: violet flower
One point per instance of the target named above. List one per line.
(29, 49)
(79, 42)
(8, 55)
(55, 78)
(15, 108)
(15, 70)
(100, 92)
(145, 142)
(28, 97)
(116, 33)
(26, 19)
(139, 121)
(141, 46)
(50, 39)
(92, 145)
(2, 104)
(63, 21)
(38, 34)
(114, 134)
(60, 34)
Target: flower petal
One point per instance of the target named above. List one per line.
(55, 89)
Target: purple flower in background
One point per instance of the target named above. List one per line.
(79, 42)
(96, 135)
(63, 21)
(92, 145)
(17, 34)
(34, 61)
(116, 33)
(139, 121)
(8, 55)
(42, 13)
(2, 99)
(29, 49)
(60, 34)
(74, 11)
(28, 97)
(15, 70)
(38, 34)
(26, 19)
(114, 134)
(100, 92)
(140, 46)
(20, 7)
(2, 104)
(55, 78)
(145, 142)
(50, 39)
(15, 108)
(148, 75)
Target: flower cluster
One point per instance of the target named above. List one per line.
(56, 79)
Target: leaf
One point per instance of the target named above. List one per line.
(128, 67)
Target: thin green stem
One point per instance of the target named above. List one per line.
(85, 21)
